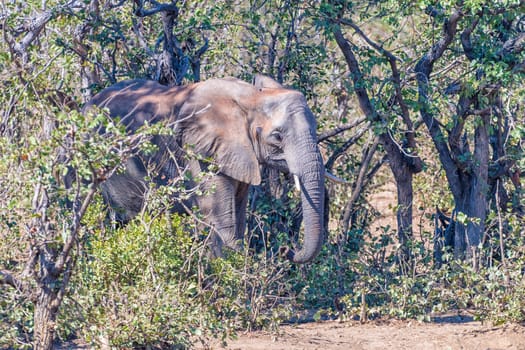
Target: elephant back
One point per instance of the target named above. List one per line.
(135, 102)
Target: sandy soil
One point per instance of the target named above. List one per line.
(446, 334)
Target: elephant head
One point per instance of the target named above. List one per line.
(240, 126)
(287, 141)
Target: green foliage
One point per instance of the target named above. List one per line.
(493, 293)
(36, 222)
(150, 284)
(16, 317)
(140, 286)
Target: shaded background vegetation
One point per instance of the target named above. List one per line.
(426, 95)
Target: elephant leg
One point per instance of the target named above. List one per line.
(219, 206)
(241, 200)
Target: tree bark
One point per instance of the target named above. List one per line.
(405, 197)
(474, 196)
(44, 319)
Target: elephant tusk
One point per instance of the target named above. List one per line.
(297, 183)
(334, 178)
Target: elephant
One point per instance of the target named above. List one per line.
(241, 127)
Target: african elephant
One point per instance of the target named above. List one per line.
(241, 127)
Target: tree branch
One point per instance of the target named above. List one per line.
(7, 278)
(37, 24)
(331, 133)
(370, 42)
(361, 181)
(514, 45)
(413, 160)
(356, 74)
(338, 152)
(196, 60)
(423, 70)
(73, 231)
(466, 40)
(290, 35)
(426, 63)
(158, 7)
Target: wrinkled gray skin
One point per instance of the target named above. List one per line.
(240, 126)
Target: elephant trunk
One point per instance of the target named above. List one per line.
(310, 172)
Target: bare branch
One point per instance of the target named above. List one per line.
(137, 28)
(73, 231)
(414, 162)
(370, 42)
(361, 180)
(70, 263)
(34, 31)
(290, 36)
(7, 278)
(331, 133)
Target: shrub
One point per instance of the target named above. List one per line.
(142, 285)
(150, 284)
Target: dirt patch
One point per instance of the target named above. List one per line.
(447, 334)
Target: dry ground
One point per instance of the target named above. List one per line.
(446, 334)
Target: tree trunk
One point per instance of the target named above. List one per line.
(405, 196)
(44, 320)
(474, 198)
(468, 235)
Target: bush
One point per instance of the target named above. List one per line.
(492, 292)
(150, 284)
(141, 285)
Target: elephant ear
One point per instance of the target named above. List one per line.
(236, 158)
(262, 81)
(221, 133)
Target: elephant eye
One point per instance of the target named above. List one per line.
(276, 136)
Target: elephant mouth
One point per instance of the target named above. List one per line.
(279, 164)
